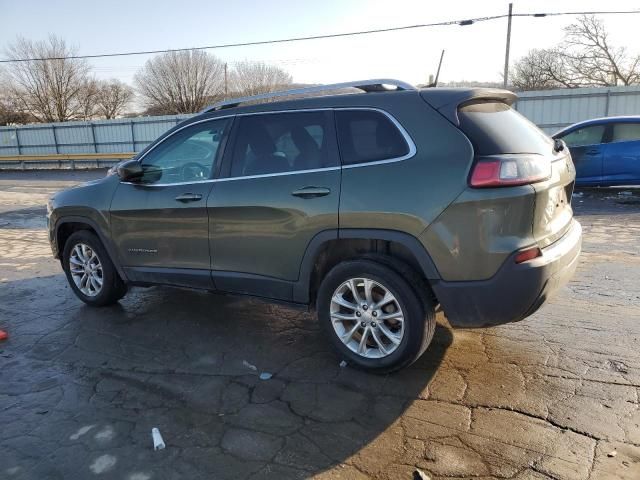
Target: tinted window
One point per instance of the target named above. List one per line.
(626, 132)
(188, 155)
(585, 136)
(495, 128)
(282, 142)
(368, 136)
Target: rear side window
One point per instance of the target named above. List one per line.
(368, 136)
(495, 128)
(626, 132)
(283, 142)
(585, 136)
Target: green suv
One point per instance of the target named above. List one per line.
(373, 207)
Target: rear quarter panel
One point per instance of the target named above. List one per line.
(408, 195)
(476, 234)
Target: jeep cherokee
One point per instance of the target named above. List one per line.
(374, 208)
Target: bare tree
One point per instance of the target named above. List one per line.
(584, 58)
(49, 90)
(10, 112)
(590, 55)
(180, 82)
(112, 97)
(253, 78)
(541, 69)
(87, 97)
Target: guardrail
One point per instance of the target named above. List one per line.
(63, 161)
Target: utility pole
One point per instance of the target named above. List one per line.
(225, 80)
(505, 78)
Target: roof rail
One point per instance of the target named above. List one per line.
(377, 85)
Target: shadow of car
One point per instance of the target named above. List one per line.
(188, 363)
(605, 151)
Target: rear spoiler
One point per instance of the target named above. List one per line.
(448, 100)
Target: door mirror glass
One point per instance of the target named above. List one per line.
(130, 171)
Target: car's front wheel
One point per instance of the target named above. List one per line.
(375, 318)
(90, 271)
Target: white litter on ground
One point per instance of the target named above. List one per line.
(250, 366)
(343, 364)
(158, 442)
(265, 376)
(420, 475)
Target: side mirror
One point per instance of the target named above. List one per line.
(558, 145)
(130, 171)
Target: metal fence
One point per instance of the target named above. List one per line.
(552, 110)
(90, 143)
(94, 137)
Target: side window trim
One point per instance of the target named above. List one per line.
(217, 167)
(412, 146)
(223, 171)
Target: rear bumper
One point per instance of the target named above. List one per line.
(516, 290)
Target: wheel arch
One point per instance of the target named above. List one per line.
(330, 247)
(66, 226)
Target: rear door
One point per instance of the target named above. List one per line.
(587, 150)
(621, 158)
(280, 187)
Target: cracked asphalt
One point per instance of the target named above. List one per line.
(553, 397)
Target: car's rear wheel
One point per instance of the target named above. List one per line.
(90, 272)
(373, 316)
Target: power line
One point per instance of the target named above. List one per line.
(464, 22)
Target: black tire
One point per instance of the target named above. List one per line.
(113, 288)
(417, 306)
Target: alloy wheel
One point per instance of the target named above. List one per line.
(367, 317)
(86, 269)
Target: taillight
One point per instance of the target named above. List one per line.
(509, 170)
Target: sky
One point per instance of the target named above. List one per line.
(474, 52)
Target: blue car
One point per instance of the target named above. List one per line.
(605, 151)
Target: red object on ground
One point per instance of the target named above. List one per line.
(3, 335)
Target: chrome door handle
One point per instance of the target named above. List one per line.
(189, 197)
(311, 192)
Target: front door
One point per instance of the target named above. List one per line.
(586, 147)
(280, 188)
(160, 224)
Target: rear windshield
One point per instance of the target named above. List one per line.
(495, 128)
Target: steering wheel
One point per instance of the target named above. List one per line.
(194, 171)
